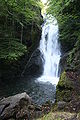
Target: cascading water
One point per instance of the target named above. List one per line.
(50, 48)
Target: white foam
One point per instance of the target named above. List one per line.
(50, 48)
(49, 79)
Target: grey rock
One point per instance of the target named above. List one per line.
(10, 106)
(61, 104)
(1, 108)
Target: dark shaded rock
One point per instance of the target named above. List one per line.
(38, 108)
(35, 64)
(31, 107)
(63, 62)
(61, 105)
(23, 113)
(1, 108)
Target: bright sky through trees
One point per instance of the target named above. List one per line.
(44, 1)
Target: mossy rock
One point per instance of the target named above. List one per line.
(64, 95)
(64, 88)
(59, 116)
(64, 82)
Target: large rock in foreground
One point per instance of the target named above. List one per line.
(21, 107)
(13, 106)
(68, 91)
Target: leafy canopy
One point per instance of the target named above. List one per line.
(16, 14)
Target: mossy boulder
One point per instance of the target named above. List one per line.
(64, 88)
(64, 82)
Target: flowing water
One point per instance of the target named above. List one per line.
(43, 88)
(50, 48)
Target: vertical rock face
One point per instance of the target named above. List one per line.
(35, 65)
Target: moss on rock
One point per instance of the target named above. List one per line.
(59, 116)
(64, 88)
(64, 82)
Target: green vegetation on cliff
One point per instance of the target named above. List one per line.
(16, 18)
(67, 13)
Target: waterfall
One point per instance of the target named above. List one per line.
(50, 48)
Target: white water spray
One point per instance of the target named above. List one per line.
(50, 48)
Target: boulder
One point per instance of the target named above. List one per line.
(11, 106)
(61, 105)
(21, 107)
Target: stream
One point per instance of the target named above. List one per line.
(43, 88)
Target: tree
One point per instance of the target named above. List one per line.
(67, 13)
(16, 14)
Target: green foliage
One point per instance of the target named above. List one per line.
(67, 13)
(73, 60)
(15, 15)
(11, 49)
(58, 115)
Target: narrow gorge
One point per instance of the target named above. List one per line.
(40, 60)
